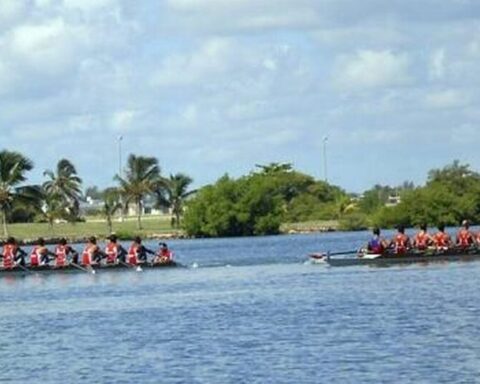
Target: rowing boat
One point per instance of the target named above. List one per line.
(73, 268)
(388, 259)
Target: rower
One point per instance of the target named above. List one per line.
(377, 244)
(441, 239)
(401, 242)
(62, 250)
(464, 236)
(40, 253)
(422, 239)
(137, 252)
(91, 253)
(114, 251)
(163, 255)
(12, 254)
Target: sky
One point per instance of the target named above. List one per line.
(358, 92)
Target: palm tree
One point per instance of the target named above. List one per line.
(142, 178)
(111, 204)
(13, 166)
(66, 186)
(173, 194)
(53, 208)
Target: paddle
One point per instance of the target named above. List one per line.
(87, 270)
(23, 268)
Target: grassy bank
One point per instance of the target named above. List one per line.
(157, 226)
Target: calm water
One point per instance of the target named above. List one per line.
(251, 311)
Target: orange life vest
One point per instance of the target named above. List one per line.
(133, 254)
(400, 242)
(61, 253)
(464, 238)
(421, 240)
(87, 254)
(112, 252)
(441, 239)
(35, 256)
(9, 251)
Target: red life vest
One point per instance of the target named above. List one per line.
(35, 256)
(441, 239)
(165, 254)
(87, 254)
(133, 254)
(421, 240)
(61, 253)
(9, 251)
(464, 238)
(112, 252)
(400, 242)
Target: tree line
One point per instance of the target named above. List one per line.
(254, 204)
(59, 197)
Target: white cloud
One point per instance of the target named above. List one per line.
(449, 98)
(372, 69)
(437, 64)
(89, 5)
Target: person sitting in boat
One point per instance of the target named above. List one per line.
(62, 251)
(114, 251)
(137, 252)
(163, 255)
(401, 242)
(422, 239)
(91, 253)
(441, 239)
(377, 244)
(464, 236)
(40, 254)
(12, 254)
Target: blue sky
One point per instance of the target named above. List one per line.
(216, 86)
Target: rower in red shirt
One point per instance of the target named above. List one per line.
(12, 254)
(40, 253)
(441, 239)
(62, 250)
(422, 239)
(464, 236)
(114, 251)
(401, 242)
(163, 255)
(91, 253)
(137, 252)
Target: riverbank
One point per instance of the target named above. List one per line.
(153, 227)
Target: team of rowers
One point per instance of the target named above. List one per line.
(64, 255)
(441, 240)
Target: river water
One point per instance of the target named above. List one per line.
(248, 310)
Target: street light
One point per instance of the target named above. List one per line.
(325, 174)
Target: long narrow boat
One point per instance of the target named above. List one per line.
(74, 268)
(413, 257)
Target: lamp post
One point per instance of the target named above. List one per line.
(325, 174)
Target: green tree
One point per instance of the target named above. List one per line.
(111, 205)
(64, 184)
(13, 167)
(173, 194)
(142, 178)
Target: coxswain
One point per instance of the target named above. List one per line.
(464, 236)
(163, 255)
(91, 253)
(12, 254)
(401, 242)
(377, 245)
(40, 254)
(137, 252)
(62, 250)
(422, 239)
(114, 251)
(441, 239)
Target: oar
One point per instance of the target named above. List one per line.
(138, 268)
(92, 271)
(23, 268)
(326, 254)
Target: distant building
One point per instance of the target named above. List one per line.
(392, 201)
